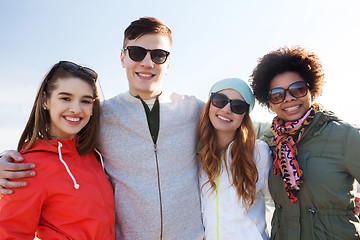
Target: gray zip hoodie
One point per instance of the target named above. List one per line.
(156, 186)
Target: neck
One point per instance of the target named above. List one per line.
(223, 139)
(146, 96)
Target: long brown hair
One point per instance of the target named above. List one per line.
(243, 168)
(38, 123)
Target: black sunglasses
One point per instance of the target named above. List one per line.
(70, 66)
(137, 54)
(297, 90)
(237, 106)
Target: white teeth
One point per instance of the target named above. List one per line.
(225, 119)
(71, 119)
(292, 108)
(145, 75)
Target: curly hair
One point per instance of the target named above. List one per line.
(285, 59)
(243, 168)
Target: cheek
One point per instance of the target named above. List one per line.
(129, 73)
(212, 112)
(128, 64)
(56, 107)
(88, 110)
(310, 99)
(239, 120)
(274, 108)
(163, 69)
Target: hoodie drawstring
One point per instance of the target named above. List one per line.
(101, 158)
(76, 186)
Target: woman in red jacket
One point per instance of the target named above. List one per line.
(70, 197)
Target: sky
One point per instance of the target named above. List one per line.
(212, 40)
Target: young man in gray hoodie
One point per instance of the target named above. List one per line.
(148, 140)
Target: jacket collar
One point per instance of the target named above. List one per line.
(315, 128)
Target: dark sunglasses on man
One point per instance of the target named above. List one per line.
(137, 54)
(237, 106)
(297, 90)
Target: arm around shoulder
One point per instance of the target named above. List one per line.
(12, 168)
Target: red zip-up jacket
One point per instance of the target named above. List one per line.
(69, 198)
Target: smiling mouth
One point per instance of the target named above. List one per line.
(223, 118)
(292, 108)
(72, 119)
(145, 75)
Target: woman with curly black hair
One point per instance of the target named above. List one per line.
(316, 155)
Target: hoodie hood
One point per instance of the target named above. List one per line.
(52, 145)
(59, 147)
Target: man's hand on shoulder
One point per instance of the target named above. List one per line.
(11, 167)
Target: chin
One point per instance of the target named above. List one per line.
(291, 118)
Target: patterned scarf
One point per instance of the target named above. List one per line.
(287, 134)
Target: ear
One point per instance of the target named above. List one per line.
(45, 102)
(271, 107)
(122, 58)
(312, 98)
(168, 63)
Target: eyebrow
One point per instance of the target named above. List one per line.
(69, 94)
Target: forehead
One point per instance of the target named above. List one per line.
(232, 94)
(73, 86)
(284, 80)
(151, 41)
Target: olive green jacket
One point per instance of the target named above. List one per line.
(329, 155)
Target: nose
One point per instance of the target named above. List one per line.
(147, 62)
(227, 108)
(288, 96)
(75, 107)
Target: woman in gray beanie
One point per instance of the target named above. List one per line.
(234, 166)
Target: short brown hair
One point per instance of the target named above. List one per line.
(38, 123)
(143, 26)
(286, 59)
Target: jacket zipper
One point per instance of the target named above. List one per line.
(159, 186)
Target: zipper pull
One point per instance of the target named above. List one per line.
(155, 147)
